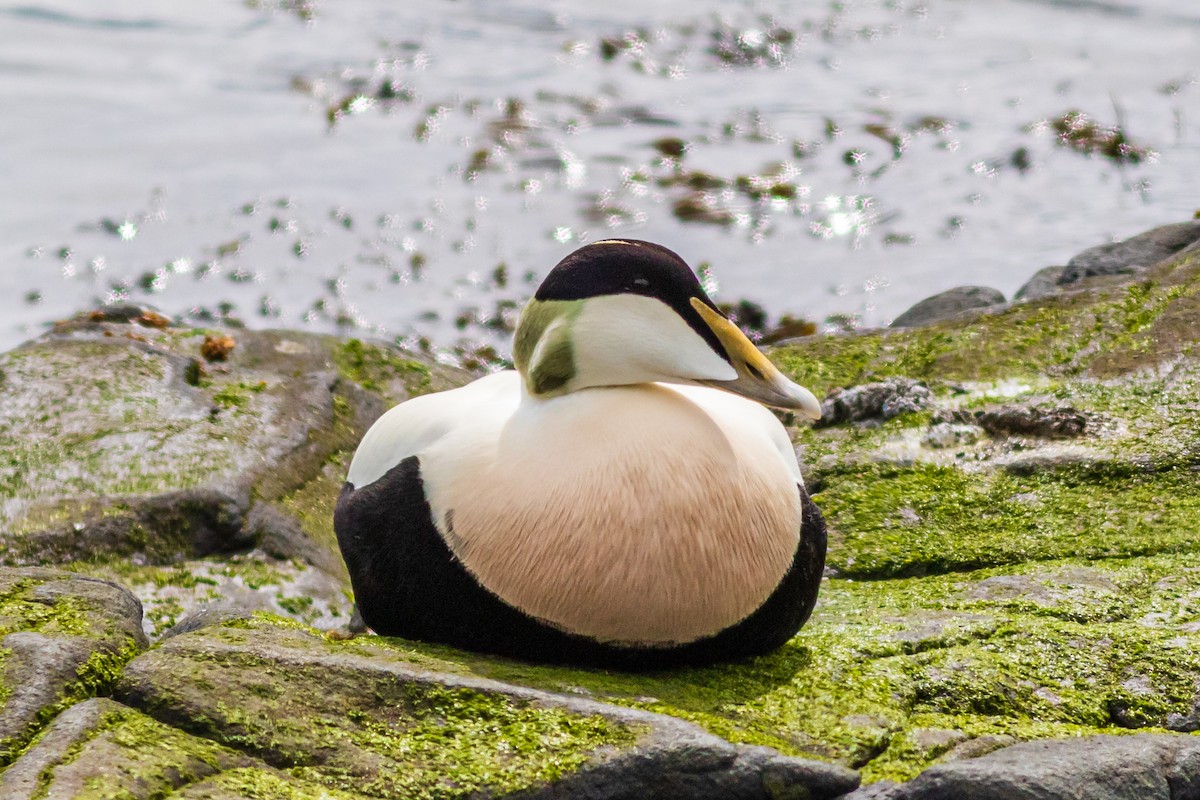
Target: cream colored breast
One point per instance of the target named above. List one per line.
(644, 514)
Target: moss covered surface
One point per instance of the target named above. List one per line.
(1000, 585)
(382, 369)
(313, 503)
(101, 417)
(262, 784)
(84, 634)
(1061, 648)
(369, 729)
(1106, 331)
(21, 611)
(114, 430)
(892, 520)
(250, 581)
(125, 755)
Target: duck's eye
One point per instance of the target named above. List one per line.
(642, 282)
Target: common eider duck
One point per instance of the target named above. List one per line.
(621, 499)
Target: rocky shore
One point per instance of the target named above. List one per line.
(1011, 608)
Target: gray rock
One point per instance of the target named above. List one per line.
(874, 401)
(1063, 422)
(22, 780)
(62, 636)
(1044, 283)
(949, 305)
(943, 435)
(1132, 255)
(882, 790)
(132, 448)
(144, 461)
(267, 707)
(1143, 767)
(215, 613)
(100, 748)
(1060, 422)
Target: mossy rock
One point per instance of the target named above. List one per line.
(1102, 332)
(126, 453)
(366, 718)
(100, 750)
(63, 638)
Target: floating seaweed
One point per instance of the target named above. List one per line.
(1079, 132)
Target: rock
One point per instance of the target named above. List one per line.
(392, 726)
(144, 464)
(980, 745)
(1063, 422)
(1141, 767)
(137, 455)
(945, 434)
(62, 638)
(874, 401)
(948, 305)
(1133, 255)
(882, 790)
(1044, 283)
(100, 748)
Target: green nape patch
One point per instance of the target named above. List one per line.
(888, 520)
(377, 368)
(1115, 329)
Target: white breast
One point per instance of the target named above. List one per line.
(647, 514)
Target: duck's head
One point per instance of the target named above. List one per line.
(621, 311)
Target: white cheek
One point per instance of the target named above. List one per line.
(625, 339)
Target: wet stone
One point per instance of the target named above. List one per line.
(1044, 283)
(1133, 255)
(882, 400)
(121, 455)
(1053, 423)
(949, 305)
(1143, 767)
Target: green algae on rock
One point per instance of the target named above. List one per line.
(63, 638)
(383, 724)
(99, 750)
(125, 456)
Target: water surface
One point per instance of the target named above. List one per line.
(412, 169)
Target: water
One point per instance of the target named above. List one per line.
(412, 169)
